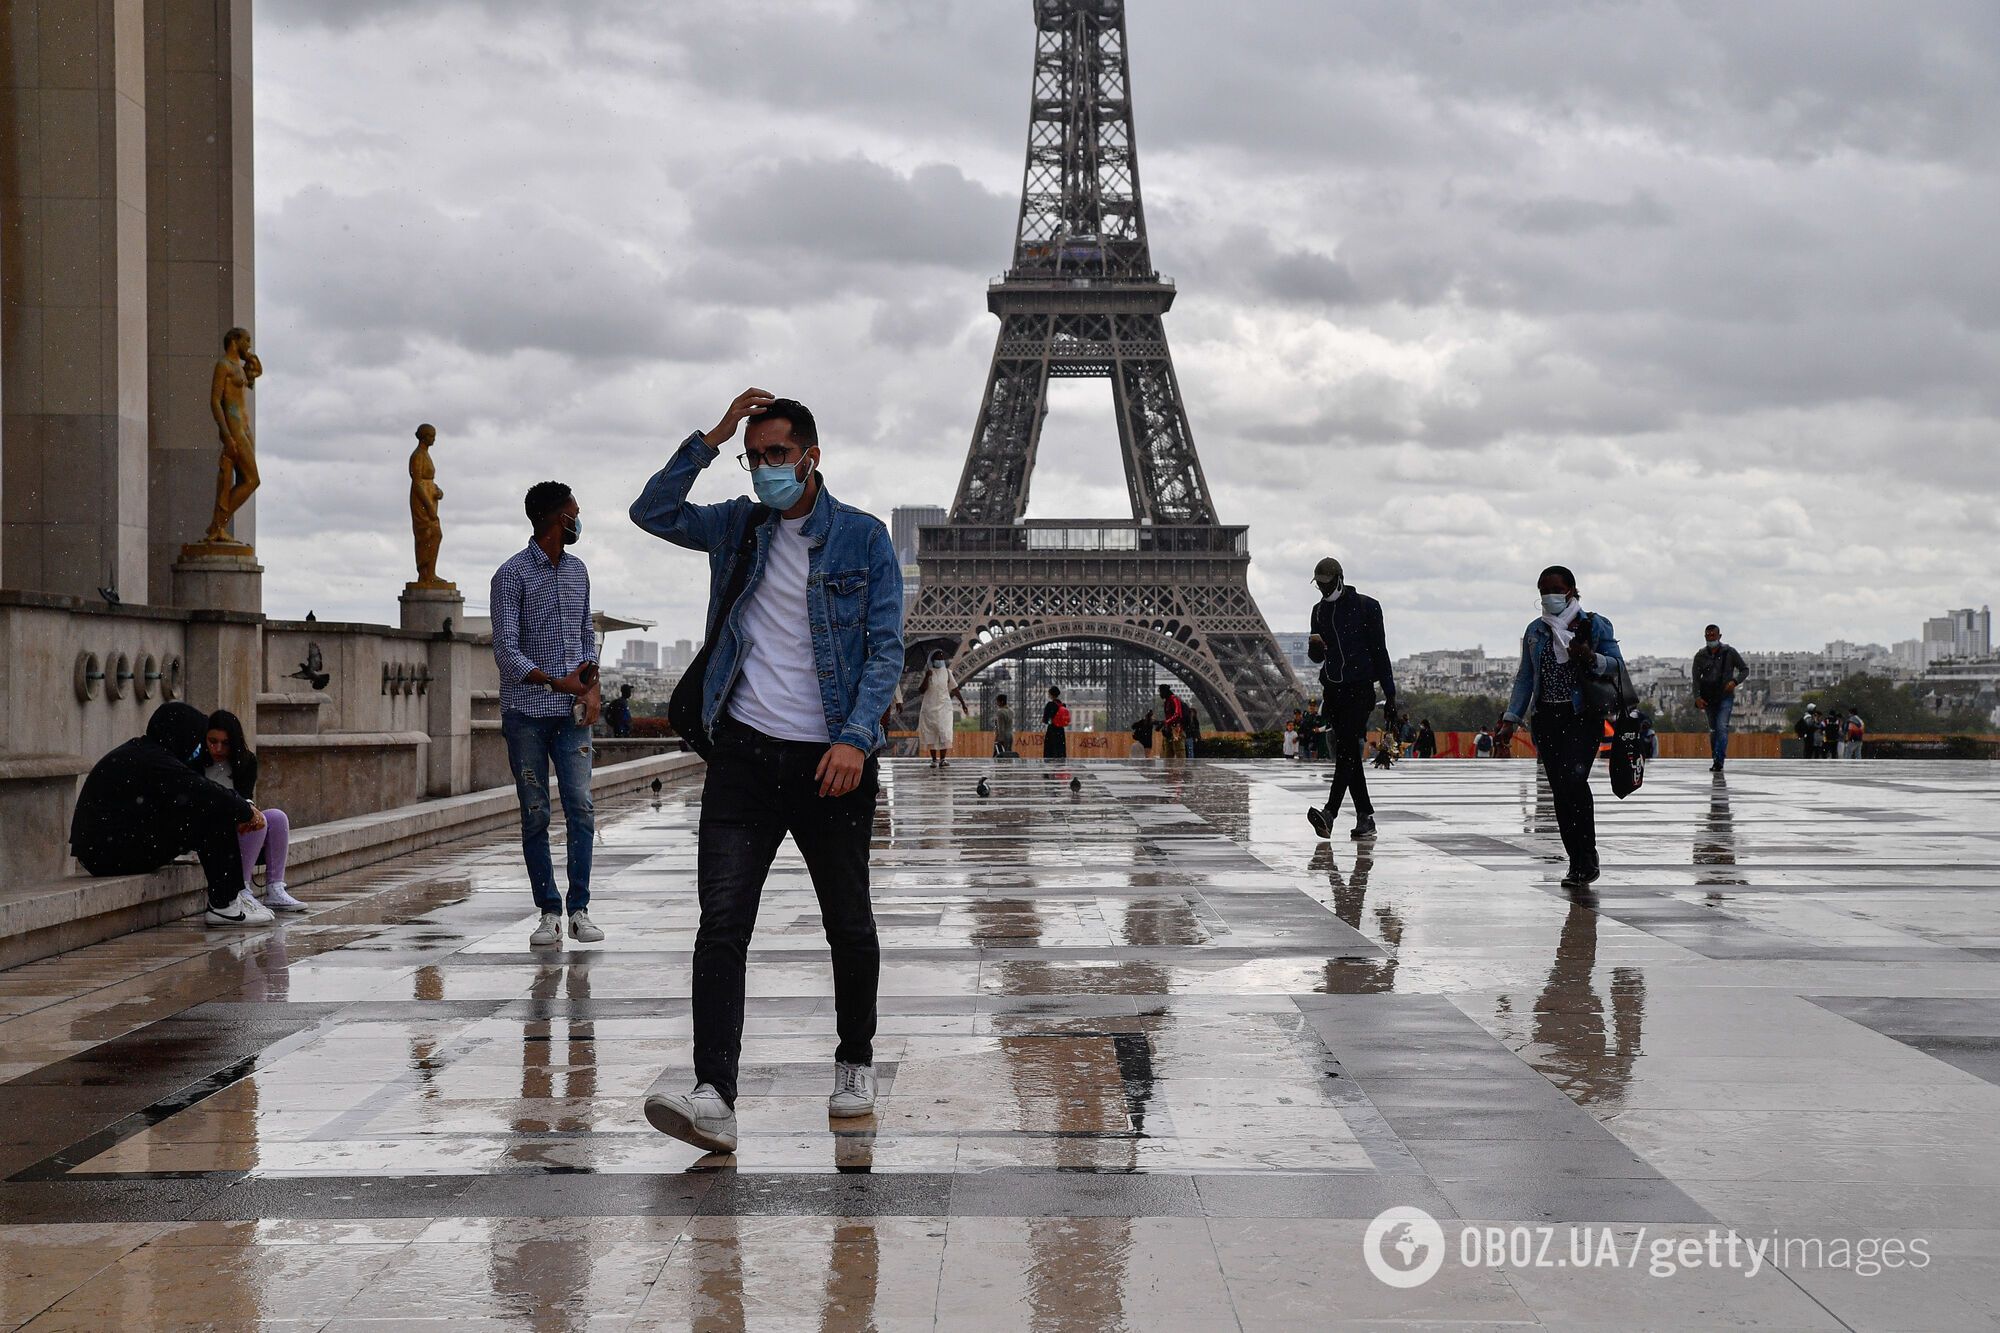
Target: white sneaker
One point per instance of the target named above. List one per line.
(582, 928)
(853, 1091)
(258, 913)
(547, 932)
(700, 1117)
(278, 900)
(232, 915)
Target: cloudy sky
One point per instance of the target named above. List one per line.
(1701, 299)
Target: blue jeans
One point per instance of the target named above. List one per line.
(1718, 727)
(532, 743)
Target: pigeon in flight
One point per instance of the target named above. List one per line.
(313, 668)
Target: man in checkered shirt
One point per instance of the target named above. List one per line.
(549, 698)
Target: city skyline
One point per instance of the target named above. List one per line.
(1458, 299)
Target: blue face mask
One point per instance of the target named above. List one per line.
(1554, 603)
(572, 532)
(778, 487)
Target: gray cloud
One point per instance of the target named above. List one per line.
(1722, 269)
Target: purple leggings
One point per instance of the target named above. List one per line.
(272, 840)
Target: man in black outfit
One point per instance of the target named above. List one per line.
(144, 804)
(1348, 643)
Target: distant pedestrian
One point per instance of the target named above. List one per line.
(1832, 732)
(1482, 744)
(1142, 736)
(1807, 730)
(1003, 728)
(1857, 732)
(618, 713)
(1718, 670)
(1190, 728)
(1173, 724)
(1563, 646)
(1348, 643)
(1290, 748)
(546, 649)
(934, 720)
(1055, 726)
(1427, 741)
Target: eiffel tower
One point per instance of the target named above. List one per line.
(1083, 299)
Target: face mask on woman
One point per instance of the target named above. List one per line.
(1554, 603)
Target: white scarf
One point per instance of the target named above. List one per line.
(1564, 628)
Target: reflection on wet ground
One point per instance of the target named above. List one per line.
(1151, 1056)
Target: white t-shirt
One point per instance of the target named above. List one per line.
(777, 686)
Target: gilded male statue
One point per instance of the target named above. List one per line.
(424, 520)
(236, 474)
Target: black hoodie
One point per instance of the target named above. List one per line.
(142, 801)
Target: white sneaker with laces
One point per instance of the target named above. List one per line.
(583, 929)
(548, 931)
(278, 900)
(700, 1117)
(258, 913)
(853, 1091)
(230, 915)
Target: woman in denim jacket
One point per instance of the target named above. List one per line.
(1562, 646)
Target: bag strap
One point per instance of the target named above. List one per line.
(739, 573)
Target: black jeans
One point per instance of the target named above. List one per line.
(213, 840)
(759, 789)
(1345, 713)
(1055, 743)
(1566, 743)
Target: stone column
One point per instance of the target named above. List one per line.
(200, 275)
(449, 719)
(73, 296)
(225, 665)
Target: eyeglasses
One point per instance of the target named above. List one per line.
(778, 455)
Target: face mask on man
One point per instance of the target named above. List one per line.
(1554, 603)
(779, 487)
(1331, 586)
(572, 529)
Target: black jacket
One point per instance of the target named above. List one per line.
(145, 795)
(1355, 652)
(1711, 669)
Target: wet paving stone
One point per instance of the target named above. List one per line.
(1151, 1055)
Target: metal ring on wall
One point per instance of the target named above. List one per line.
(89, 677)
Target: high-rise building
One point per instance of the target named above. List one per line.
(643, 653)
(1960, 633)
(904, 520)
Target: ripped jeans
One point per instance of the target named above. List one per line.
(532, 743)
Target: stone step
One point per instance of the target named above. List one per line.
(51, 916)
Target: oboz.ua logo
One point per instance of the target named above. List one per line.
(1404, 1247)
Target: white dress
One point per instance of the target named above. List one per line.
(934, 717)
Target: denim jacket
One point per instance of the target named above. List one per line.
(854, 593)
(1527, 680)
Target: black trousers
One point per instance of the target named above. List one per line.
(212, 840)
(759, 789)
(1055, 743)
(1345, 711)
(1566, 743)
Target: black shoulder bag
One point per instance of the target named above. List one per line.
(684, 709)
(1606, 696)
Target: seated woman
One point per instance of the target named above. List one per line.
(144, 804)
(231, 764)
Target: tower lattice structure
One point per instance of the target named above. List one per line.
(1082, 299)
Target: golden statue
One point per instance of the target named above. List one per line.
(424, 521)
(236, 474)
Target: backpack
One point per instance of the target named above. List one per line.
(1855, 731)
(1061, 718)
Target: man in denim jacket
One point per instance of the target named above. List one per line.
(799, 677)
(1561, 647)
